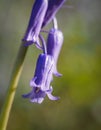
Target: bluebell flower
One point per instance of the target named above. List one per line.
(42, 79)
(54, 44)
(35, 23)
(53, 8)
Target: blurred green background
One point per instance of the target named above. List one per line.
(80, 63)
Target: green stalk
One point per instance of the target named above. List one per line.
(12, 87)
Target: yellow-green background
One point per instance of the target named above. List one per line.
(80, 63)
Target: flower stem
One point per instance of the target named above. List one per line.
(12, 87)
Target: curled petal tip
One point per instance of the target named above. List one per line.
(51, 97)
(57, 74)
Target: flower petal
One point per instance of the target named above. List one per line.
(53, 7)
(36, 95)
(50, 96)
(35, 22)
(37, 100)
(43, 72)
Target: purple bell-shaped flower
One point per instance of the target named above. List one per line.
(35, 23)
(54, 45)
(41, 81)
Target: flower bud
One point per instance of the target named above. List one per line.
(54, 44)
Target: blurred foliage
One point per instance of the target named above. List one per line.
(80, 63)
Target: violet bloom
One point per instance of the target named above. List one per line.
(54, 44)
(41, 81)
(53, 7)
(35, 22)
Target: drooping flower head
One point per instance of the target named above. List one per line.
(53, 8)
(44, 12)
(54, 44)
(35, 22)
(40, 83)
(44, 69)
